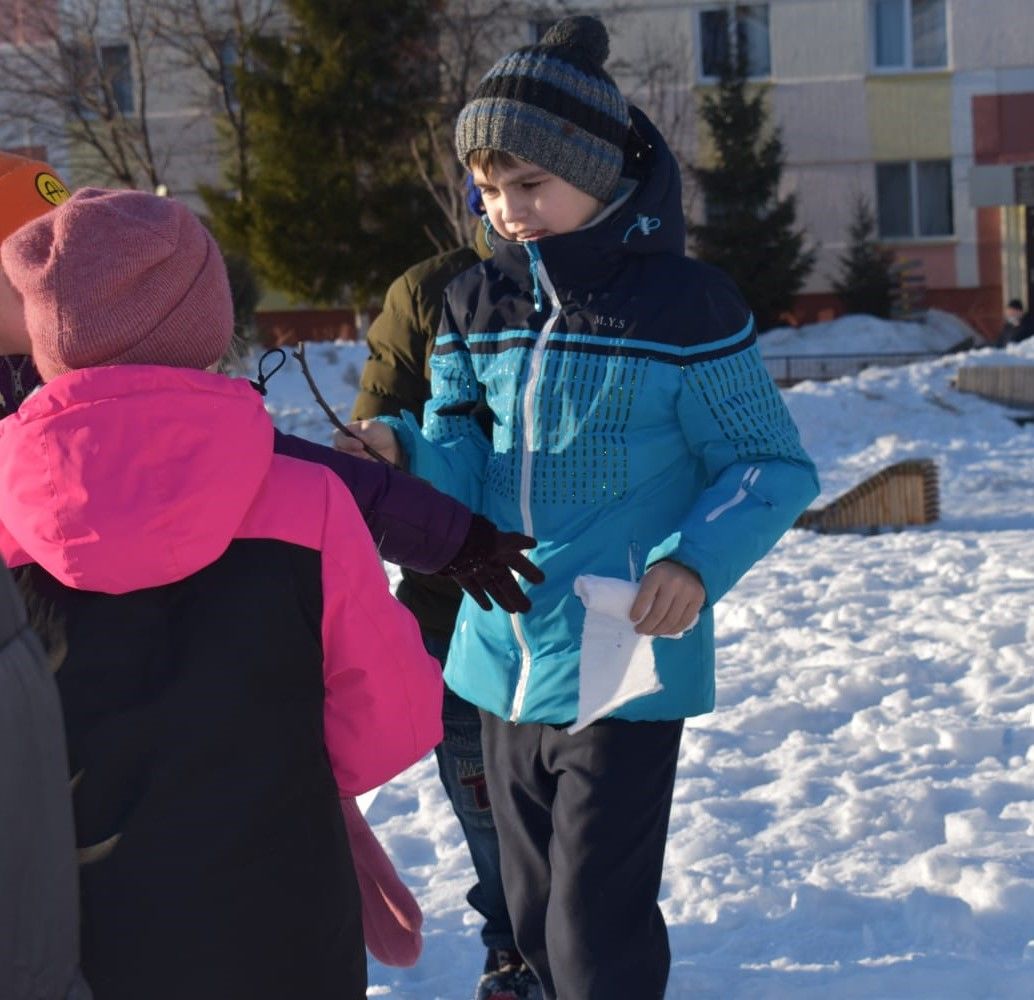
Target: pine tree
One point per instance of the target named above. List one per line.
(333, 204)
(749, 230)
(866, 281)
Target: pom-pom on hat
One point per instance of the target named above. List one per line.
(120, 278)
(554, 105)
(28, 188)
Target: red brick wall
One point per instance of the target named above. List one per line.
(980, 307)
(288, 327)
(1002, 134)
(1002, 130)
(27, 21)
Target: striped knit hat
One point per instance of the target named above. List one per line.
(553, 105)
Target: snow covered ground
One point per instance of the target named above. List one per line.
(856, 819)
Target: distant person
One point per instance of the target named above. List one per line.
(397, 377)
(633, 426)
(1018, 324)
(229, 657)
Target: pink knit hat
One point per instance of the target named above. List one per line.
(120, 278)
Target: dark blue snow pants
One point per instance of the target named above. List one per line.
(582, 823)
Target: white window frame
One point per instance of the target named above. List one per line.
(730, 9)
(908, 42)
(913, 192)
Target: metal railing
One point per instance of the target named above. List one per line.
(788, 369)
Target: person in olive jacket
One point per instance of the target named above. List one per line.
(397, 377)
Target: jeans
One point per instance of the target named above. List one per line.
(461, 767)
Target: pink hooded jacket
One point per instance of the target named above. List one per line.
(123, 478)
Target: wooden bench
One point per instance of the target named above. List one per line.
(906, 493)
(1009, 384)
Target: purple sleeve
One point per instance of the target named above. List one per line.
(412, 523)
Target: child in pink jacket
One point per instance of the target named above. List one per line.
(229, 657)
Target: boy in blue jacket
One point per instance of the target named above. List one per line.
(636, 434)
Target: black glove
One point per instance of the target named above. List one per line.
(483, 566)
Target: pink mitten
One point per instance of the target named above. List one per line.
(391, 916)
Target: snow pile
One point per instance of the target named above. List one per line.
(939, 332)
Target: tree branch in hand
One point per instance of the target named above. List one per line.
(299, 353)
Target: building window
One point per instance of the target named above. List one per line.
(914, 199)
(101, 79)
(909, 34)
(118, 76)
(732, 30)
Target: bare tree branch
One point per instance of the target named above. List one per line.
(66, 81)
(299, 353)
(657, 76)
(471, 35)
(207, 42)
(65, 77)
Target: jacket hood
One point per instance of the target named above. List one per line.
(115, 479)
(650, 220)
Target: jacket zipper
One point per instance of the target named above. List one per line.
(539, 278)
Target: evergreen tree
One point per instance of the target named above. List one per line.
(749, 231)
(866, 281)
(333, 203)
(246, 293)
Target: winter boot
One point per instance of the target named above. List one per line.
(507, 977)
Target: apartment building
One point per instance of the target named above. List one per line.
(923, 107)
(126, 93)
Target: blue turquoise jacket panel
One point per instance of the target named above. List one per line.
(632, 420)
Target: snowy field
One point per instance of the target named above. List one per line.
(856, 819)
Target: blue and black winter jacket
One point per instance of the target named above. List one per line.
(632, 421)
